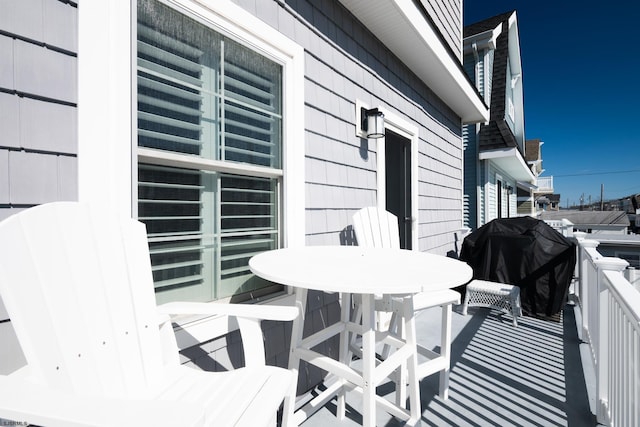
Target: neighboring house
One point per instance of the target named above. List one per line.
(497, 177)
(542, 197)
(594, 222)
(548, 202)
(231, 128)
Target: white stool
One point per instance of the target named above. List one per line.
(499, 296)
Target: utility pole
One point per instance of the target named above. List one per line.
(601, 197)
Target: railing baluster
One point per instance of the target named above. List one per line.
(610, 307)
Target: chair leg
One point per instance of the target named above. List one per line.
(288, 417)
(445, 350)
(289, 407)
(395, 328)
(357, 319)
(516, 308)
(400, 377)
(368, 361)
(409, 331)
(345, 354)
(465, 304)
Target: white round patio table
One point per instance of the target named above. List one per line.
(366, 272)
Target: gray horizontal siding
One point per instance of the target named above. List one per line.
(37, 125)
(38, 96)
(344, 62)
(51, 22)
(447, 16)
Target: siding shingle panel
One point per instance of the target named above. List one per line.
(27, 187)
(45, 73)
(9, 121)
(4, 178)
(6, 63)
(47, 126)
(59, 25)
(67, 178)
(23, 18)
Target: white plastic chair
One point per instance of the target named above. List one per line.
(378, 228)
(78, 288)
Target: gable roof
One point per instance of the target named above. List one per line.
(533, 155)
(532, 150)
(497, 141)
(499, 85)
(487, 24)
(589, 217)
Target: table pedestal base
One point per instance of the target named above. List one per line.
(373, 372)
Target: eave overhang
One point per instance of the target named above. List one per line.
(403, 28)
(527, 186)
(510, 161)
(485, 40)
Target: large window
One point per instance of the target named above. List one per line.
(210, 116)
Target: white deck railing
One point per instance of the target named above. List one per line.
(545, 183)
(610, 307)
(564, 226)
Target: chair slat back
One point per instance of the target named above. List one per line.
(78, 288)
(376, 228)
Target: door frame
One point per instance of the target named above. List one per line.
(408, 131)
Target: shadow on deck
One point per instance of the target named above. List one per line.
(532, 375)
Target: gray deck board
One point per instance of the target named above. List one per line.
(531, 375)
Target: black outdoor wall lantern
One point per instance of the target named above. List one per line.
(372, 122)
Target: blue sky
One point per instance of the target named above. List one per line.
(581, 66)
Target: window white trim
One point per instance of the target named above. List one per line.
(498, 185)
(105, 125)
(405, 129)
(187, 161)
(107, 150)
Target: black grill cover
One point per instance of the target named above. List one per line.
(525, 252)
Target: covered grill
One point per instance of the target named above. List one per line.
(525, 252)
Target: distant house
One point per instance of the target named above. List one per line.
(596, 222)
(497, 177)
(232, 128)
(542, 191)
(548, 202)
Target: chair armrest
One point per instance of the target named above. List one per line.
(23, 401)
(249, 311)
(424, 300)
(248, 316)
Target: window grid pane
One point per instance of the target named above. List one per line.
(202, 94)
(170, 203)
(248, 226)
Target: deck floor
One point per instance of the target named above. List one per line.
(531, 375)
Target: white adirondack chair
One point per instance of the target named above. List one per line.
(378, 228)
(78, 288)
